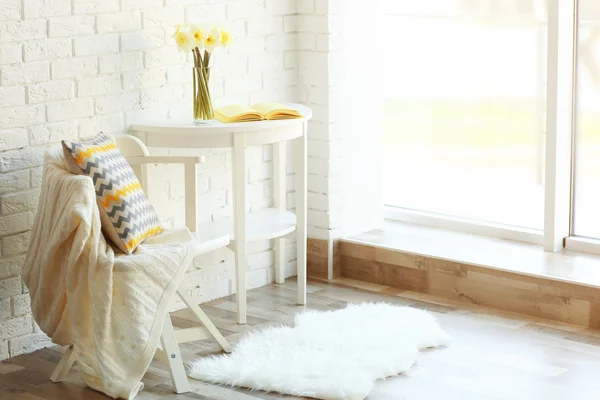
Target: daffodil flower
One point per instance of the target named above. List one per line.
(183, 39)
(212, 40)
(225, 38)
(198, 36)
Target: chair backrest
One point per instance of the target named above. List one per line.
(130, 146)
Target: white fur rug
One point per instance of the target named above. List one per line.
(327, 355)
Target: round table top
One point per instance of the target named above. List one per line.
(185, 125)
(183, 133)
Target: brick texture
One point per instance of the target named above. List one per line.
(72, 68)
(318, 87)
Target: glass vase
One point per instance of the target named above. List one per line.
(203, 109)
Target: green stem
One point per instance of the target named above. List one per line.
(194, 95)
(202, 101)
(198, 62)
(206, 93)
(198, 106)
(207, 63)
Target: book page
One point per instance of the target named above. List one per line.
(276, 111)
(265, 108)
(233, 110)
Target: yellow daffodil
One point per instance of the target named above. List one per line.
(183, 39)
(212, 40)
(225, 38)
(198, 36)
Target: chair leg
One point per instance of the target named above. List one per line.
(64, 366)
(171, 348)
(203, 318)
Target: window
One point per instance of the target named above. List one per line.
(492, 112)
(586, 195)
(465, 109)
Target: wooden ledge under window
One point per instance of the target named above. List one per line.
(497, 273)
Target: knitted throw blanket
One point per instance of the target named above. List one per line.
(110, 307)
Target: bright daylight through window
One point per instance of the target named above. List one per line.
(465, 109)
(586, 195)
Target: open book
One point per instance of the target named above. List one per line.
(258, 112)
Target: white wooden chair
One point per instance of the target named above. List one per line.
(168, 352)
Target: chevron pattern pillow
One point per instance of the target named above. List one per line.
(127, 216)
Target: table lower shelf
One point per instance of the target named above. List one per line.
(260, 225)
(211, 242)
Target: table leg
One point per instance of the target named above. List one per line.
(239, 222)
(301, 213)
(191, 197)
(279, 194)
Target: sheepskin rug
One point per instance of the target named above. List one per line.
(327, 355)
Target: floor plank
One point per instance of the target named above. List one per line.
(494, 354)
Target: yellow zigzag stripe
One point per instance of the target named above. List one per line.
(132, 244)
(132, 187)
(83, 154)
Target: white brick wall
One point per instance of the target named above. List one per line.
(318, 86)
(70, 68)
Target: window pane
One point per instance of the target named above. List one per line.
(586, 221)
(465, 108)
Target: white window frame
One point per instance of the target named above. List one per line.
(463, 224)
(560, 129)
(583, 244)
(560, 105)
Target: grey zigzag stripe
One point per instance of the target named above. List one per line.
(109, 163)
(118, 171)
(136, 229)
(112, 158)
(126, 220)
(100, 139)
(145, 213)
(136, 199)
(140, 226)
(118, 208)
(134, 219)
(142, 217)
(114, 178)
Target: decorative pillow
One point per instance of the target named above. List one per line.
(127, 216)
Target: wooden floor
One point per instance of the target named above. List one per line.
(493, 355)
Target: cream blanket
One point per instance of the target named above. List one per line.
(111, 308)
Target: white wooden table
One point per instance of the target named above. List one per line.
(271, 223)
